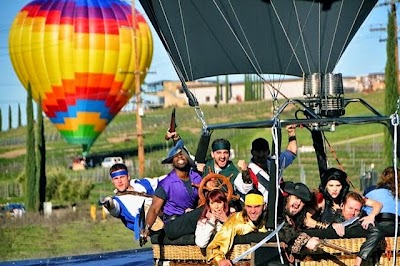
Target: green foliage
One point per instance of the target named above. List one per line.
(62, 188)
(9, 117)
(41, 157)
(1, 121)
(218, 91)
(227, 89)
(19, 116)
(31, 187)
(66, 233)
(391, 82)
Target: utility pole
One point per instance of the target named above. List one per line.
(139, 127)
(396, 43)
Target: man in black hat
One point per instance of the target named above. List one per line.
(256, 174)
(295, 197)
(176, 196)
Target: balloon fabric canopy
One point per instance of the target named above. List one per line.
(78, 58)
(286, 37)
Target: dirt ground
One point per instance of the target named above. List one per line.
(13, 153)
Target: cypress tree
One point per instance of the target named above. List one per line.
(9, 117)
(30, 162)
(217, 94)
(1, 121)
(227, 91)
(246, 87)
(41, 157)
(391, 82)
(19, 116)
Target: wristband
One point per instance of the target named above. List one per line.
(291, 138)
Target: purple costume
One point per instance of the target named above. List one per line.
(179, 198)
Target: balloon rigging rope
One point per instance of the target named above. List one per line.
(286, 35)
(301, 33)
(334, 35)
(180, 74)
(274, 131)
(395, 123)
(186, 43)
(348, 34)
(242, 47)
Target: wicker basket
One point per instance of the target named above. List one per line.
(192, 253)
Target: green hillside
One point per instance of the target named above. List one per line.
(356, 146)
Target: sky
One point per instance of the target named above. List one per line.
(365, 54)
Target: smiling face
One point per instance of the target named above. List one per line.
(294, 205)
(221, 158)
(180, 161)
(121, 183)
(351, 208)
(254, 212)
(333, 187)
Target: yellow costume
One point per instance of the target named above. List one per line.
(236, 225)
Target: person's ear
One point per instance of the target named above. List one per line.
(265, 207)
(212, 154)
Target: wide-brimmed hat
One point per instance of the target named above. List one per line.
(178, 148)
(298, 189)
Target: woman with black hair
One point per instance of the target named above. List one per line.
(329, 200)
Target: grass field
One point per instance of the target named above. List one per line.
(356, 147)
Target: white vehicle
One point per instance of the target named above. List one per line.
(110, 161)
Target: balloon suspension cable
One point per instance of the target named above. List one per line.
(200, 115)
(275, 137)
(394, 120)
(332, 150)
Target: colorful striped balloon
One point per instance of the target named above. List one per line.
(79, 59)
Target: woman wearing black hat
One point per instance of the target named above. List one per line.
(329, 199)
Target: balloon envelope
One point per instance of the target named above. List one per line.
(79, 58)
(289, 37)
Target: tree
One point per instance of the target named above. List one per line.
(19, 116)
(41, 157)
(218, 93)
(31, 192)
(391, 81)
(1, 121)
(9, 117)
(228, 94)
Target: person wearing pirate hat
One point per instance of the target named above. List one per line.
(329, 200)
(252, 219)
(296, 197)
(175, 195)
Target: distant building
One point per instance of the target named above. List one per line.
(168, 93)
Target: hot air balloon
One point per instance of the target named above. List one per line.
(78, 56)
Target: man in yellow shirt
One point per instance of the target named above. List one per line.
(252, 219)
